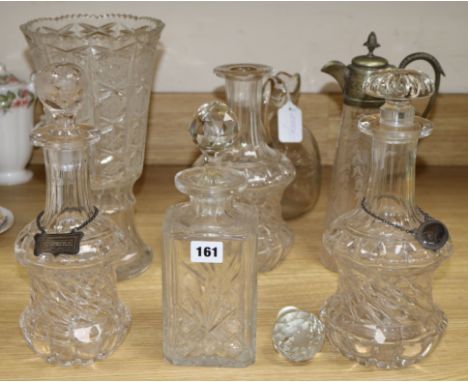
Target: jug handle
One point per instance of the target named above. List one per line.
(266, 97)
(270, 84)
(437, 72)
(295, 91)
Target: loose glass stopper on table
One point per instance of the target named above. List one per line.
(297, 335)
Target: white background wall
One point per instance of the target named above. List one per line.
(289, 36)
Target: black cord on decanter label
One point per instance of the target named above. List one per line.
(431, 234)
(60, 243)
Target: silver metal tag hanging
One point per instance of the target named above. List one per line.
(57, 243)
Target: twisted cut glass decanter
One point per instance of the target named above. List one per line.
(352, 160)
(387, 248)
(302, 193)
(209, 259)
(118, 56)
(268, 171)
(75, 316)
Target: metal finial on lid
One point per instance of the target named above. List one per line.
(369, 60)
(372, 43)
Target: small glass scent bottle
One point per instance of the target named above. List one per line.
(267, 170)
(209, 259)
(387, 248)
(280, 92)
(74, 316)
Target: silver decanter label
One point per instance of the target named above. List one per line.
(432, 234)
(57, 243)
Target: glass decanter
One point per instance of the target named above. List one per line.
(209, 259)
(75, 316)
(302, 194)
(118, 53)
(352, 158)
(268, 171)
(387, 248)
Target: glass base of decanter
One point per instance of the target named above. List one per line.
(136, 261)
(367, 345)
(301, 195)
(296, 202)
(291, 209)
(78, 349)
(273, 245)
(328, 261)
(211, 361)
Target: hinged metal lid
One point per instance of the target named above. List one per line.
(369, 60)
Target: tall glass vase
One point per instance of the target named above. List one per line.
(118, 55)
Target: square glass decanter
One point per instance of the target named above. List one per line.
(209, 259)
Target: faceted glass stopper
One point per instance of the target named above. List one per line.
(399, 84)
(214, 127)
(60, 88)
(297, 335)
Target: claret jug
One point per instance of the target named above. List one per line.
(281, 93)
(352, 158)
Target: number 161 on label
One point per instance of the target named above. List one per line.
(206, 251)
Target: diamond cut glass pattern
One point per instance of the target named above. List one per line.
(382, 313)
(74, 316)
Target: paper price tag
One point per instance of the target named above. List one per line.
(206, 252)
(290, 123)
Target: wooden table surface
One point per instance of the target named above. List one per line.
(301, 280)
